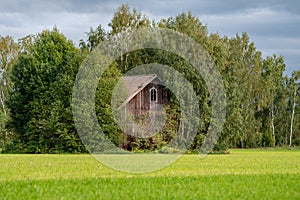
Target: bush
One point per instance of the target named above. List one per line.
(267, 140)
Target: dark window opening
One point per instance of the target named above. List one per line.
(153, 94)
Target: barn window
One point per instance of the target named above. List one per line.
(153, 94)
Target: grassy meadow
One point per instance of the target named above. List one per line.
(242, 174)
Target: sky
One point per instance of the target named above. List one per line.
(273, 25)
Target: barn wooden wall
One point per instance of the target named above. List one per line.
(140, 103)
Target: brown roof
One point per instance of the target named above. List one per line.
(134, 84)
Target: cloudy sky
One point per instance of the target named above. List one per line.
(273, 25)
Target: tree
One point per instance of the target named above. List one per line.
(125, 20)
(9, 51)
(240, 65)
(294, 88)
(273, 68)
(94, 37)
(188, 24)
(40, 102)
(103, 108)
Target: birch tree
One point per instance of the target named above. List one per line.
(9, 51)
(273, 68)
(294, 88)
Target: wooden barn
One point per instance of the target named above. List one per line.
(143, 92)
(141, 113)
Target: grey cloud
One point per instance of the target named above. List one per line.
(263, 20)
(57, 6)
(165, 7)
(276, 25)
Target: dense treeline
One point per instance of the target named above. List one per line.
(38, 73)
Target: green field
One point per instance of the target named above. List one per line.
(242, 174)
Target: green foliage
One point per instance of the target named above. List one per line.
(256, 89)
(103, 108)
(267, 139)
(94, 37)
(262, 105)
(124, 19)
(9, 51)
(43, 78)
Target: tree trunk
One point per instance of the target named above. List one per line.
(272, 124)
(2, 101)
(292, 118)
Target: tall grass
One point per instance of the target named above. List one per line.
(242, 174)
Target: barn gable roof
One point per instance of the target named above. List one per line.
(134, 84)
